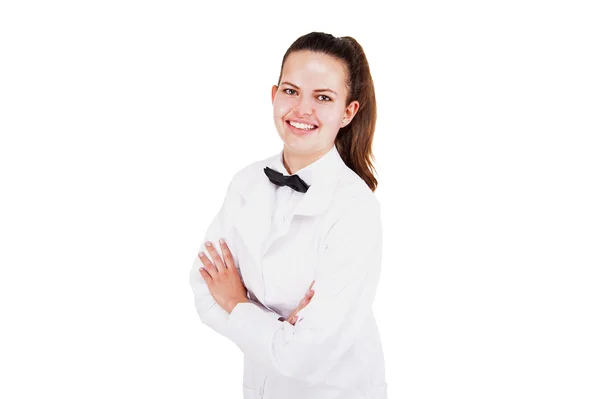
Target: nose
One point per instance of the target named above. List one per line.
(304, 106)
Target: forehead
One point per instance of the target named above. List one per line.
(307, 68)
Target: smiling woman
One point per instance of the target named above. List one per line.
(293, 281)
(325, 82)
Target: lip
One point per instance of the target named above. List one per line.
(300, 132)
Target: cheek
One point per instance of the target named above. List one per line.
(282, 107)
(330, 116)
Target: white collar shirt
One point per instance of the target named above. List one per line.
(281, 241)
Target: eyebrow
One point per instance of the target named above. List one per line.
(317, 90)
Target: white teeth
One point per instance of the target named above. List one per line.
(302, 126)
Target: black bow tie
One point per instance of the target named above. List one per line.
(293, 181)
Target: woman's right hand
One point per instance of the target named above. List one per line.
(292, 318)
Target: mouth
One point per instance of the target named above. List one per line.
(301, 128)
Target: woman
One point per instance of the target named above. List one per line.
(303, 218)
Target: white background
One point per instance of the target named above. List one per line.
(122, 122)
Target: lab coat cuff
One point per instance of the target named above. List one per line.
(266, 310)
(252, 329)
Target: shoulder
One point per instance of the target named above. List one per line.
(247, 174)
(354, 219)
(352, 195)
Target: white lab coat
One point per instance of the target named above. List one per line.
(334, 237)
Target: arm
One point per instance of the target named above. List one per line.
(347, 276)
(209, 311)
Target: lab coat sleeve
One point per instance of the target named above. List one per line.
(210, 312)
(348, 272)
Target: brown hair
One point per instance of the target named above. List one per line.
(354, 140)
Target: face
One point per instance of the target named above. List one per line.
(309, 105)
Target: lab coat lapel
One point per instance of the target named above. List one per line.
(254, 221)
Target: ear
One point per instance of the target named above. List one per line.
(351, 110)
(273, 92)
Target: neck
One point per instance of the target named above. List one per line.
(294, 162)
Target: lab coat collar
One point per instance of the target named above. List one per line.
(308, 172)
(321, 175)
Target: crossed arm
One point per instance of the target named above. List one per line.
(347, 276)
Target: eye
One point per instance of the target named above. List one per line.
(328, 99)
(286, 91)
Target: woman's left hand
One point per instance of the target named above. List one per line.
(222, 278)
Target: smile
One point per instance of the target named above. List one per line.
(300, 127)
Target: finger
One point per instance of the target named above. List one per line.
(303, 304)
(218, 262)
(229, 263)
(205, 275)
(298, 308)
(311, 285)
(293, 313)
(309, 296)
(208, 266)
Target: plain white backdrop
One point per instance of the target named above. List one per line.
(122, 123)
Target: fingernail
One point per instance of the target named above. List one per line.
(222, 241)
(201, 254)
(208, 243)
